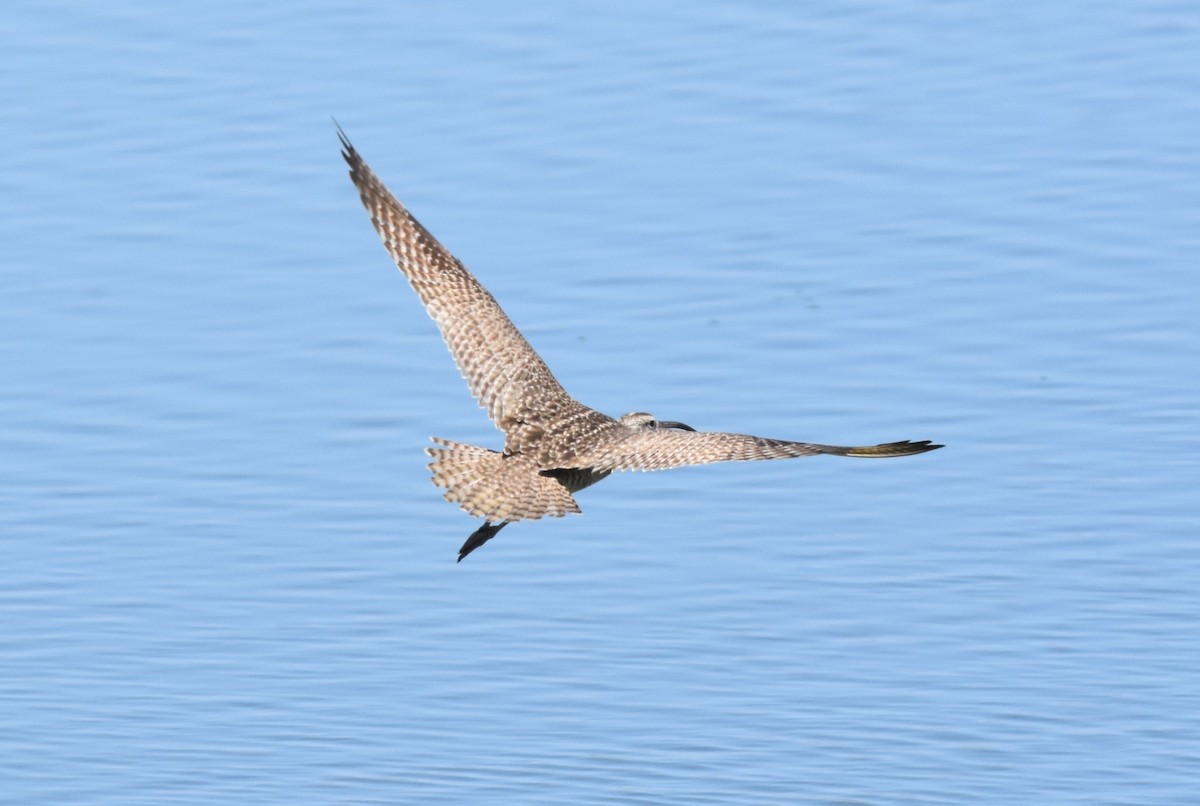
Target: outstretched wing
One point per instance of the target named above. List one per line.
(506, 376)
(660, 449)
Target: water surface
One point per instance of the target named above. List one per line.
(227, 578)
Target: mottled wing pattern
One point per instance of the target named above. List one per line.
(506, 376)
(660, 449)
(497, 487)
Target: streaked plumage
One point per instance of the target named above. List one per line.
(554, 446)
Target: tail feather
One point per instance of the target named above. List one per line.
(494, 486)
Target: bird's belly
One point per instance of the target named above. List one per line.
(576, 478)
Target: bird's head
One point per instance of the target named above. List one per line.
(640, 419)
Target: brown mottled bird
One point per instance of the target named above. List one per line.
(553, 445)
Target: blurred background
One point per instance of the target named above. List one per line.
(227, 578)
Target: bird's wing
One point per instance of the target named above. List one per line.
(660, 449)
(496, 360)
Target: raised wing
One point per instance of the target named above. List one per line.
(660, 449)
(506, 376)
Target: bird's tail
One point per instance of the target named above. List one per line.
(496, 487)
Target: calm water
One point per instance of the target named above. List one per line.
(225, 575)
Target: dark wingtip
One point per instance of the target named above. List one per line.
(480, 536)
(348, 152)
(920, 446)
(904, 447)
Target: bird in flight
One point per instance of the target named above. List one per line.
(554, 446)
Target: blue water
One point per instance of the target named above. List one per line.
(226, 578)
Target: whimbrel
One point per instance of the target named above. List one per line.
(554, 446)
